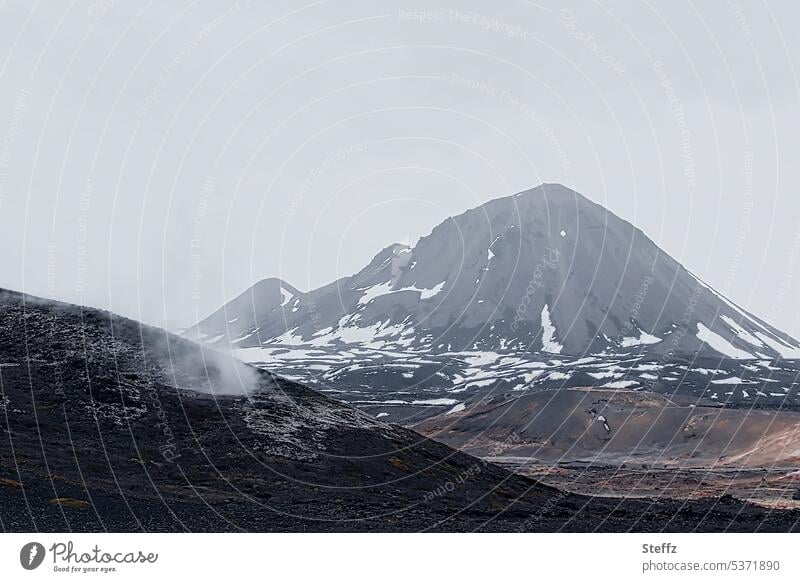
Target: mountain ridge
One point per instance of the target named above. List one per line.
(546, 270)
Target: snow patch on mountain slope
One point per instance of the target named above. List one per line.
(478, 358)
(285, 297)
(289, 338)
(742, 332)
(549, 343)
(787, 352)
(371, 293)
(350, 335)
(428, 293)
(731, 380)
(720, 344)
(604, 375)
(386, 289)
(373, 336)
(644, 339)
(457, 408)
(620, 384)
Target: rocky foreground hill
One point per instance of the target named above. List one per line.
(110, 425)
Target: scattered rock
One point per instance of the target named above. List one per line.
(69, 502)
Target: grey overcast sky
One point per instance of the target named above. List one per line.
(157, 158)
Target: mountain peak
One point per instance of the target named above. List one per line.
(553, 195)
(548, 189)
(244, 311)
(388, 252)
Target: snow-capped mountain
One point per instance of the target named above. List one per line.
(545, 271)
(242, 315)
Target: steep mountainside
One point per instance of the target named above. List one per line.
(242, 314)
(544, 271)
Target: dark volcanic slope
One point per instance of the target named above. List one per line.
(111, 425)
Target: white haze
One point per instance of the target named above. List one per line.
(158, 158)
